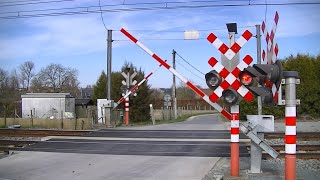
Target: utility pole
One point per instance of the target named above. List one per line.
(259, 62)
(256, 151)
(109, 51)
(174, 85)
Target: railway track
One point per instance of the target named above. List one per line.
(39, 133)
(303, 151)
(301, 136)
(7, 145)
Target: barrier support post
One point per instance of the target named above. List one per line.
(234, 146)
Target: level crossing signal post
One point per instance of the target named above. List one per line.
(224, 83)
(126, 84)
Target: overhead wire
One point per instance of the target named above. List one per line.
(87, 11)
(105, 27)
(106, 5)
(189, 70)
(32, 2)
(189, 63)
(265, 12)
(200, 30)
(159, 39)
(8, 4)
(175, 39)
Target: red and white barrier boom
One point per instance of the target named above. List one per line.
(135, 87)
(182, 78)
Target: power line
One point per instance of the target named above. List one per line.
(265, 12)
(87, 11)
(7, 4)
(189, 63)
(110, 5)
(190, 71)
(200, 30)
(175, 39)
(33, 2)
(160, 39)
(105, 27)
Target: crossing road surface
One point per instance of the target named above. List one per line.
(184, 134)
(154, 152)
(133, 147)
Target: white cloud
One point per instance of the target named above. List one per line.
(84, 34)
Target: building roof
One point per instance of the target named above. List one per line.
(86, 92)
(47, 95)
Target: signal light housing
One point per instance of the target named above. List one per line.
(213, 79)
(261, 73)
(230, 96)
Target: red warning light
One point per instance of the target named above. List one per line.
(246, 79)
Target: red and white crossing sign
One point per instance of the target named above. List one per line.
(270, 37)
(135, 87)
(182, 78)
(230, 78)
(234, 49)
(270, 55)
(274, 55)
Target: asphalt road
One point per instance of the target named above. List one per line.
(153, 152)
(189, 134)
(134, 147)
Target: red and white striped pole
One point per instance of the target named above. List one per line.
(234, 147)
(291, 130)
(126, 108)
(173, 71)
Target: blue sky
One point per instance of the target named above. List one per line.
(79, 41)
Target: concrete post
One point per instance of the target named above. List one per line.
(62, 125)
(109, 51)
(152, 115)
(31, 115)
(107, 116)
(174, 102)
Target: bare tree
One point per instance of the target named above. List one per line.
(9, 92)
(184, 92)
(14, 80)
(56, 78)
(26, 73)
(3, 78)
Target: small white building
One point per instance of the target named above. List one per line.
(48, 105)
